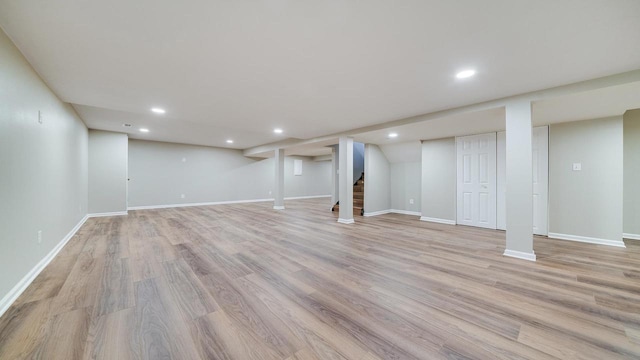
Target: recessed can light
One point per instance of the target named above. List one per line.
(144, 130)
(158, 110)
(465, 74)
(393, 135)
(229, 141)
(277, 131)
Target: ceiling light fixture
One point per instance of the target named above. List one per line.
(126, 125)
(393, 135)
(144, 130)
(158, 110)
(278, 131)
(229, 141)
(465, 74)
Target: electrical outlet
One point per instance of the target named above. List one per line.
(40, 120)
(269, 192)
(411, 201)
(39, 236)
(182, 196)
(577, 166)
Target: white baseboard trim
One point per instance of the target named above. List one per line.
(631, 236)
(22, 285)
(115, 213)
(436, 220)
(278, 207)
(376, 213)
(346, 221)
(307, 197)
(392, 211)
(149, 207)
(585, 239)
(520, 255)
(405, 212)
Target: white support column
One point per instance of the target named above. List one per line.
(278, 160)
(519, 174)
(346, 180)
(335, 188)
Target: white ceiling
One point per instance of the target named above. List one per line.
(470, 123)
(403, 152)
(237, 69)
(604, 102)
(170, 129)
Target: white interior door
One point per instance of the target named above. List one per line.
(540, 142)
(476, 163)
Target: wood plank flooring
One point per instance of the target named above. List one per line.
(247, 282)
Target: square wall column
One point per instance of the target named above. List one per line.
(519, 184)
(335, 182)
(345, 181)
(278, 160)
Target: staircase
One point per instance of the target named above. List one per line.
(358, 198)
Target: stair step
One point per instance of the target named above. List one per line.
(358, 202)
(358, 195)
(358, 188)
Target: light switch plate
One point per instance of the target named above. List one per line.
(577, 166)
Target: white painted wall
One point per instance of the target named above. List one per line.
(439, 179)
(107, 171)
(161, 173)
(632, 173)
(586, 203)
(43, 168)
(377, 184)
(406, 186)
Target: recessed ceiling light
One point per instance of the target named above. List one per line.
(393, 135)
(229, 141)
(465, 74)
(144, 130)
(158, 110)
(277, 131)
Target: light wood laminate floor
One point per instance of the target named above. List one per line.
(248, 282)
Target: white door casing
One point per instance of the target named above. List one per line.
(540, 143)
(476, 180)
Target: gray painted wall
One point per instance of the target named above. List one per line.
(161, 173)
(314, 181)
(377, 184)
(358, 160)
(43, 168)
(107, 171)
(439, 179)
(632, 172)
(589, 202)
(406, 186)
